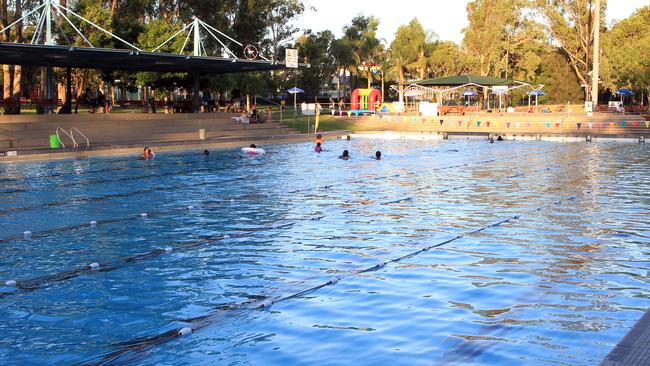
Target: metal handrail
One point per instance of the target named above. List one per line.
(74, 143)
(71, 136)
(82, 135)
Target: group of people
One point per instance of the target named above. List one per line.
(94, 100)
(345, 155)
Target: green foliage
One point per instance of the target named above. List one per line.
(560, 82)
(626, 51)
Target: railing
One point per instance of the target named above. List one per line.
(71, 136)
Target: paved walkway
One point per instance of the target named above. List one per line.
(634, 349)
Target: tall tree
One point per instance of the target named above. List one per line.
(410, 51)
(571, 26)
(343, 54)
(626, 51)
(483, 38)
(362, 33)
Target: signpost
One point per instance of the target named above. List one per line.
(291, 58)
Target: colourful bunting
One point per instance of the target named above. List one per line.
(590, 125)
(635, 124)
(389, 118)
(487, 123)
(623, 124)
(478, 123)
(508, 124)
(611, 124)
(518, 124)
(647, 124)
(460, 123)
(528, 125)
(579, 125)
(441, 122)
(548, 125)
(557, 125)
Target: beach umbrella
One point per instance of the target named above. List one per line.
(295, 91)
(469, 93)
(624, 92)
(536, 93)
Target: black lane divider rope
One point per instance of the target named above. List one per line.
(128, 351)
(115, 169)
(28, 285)
(493, 180)
(128, 194)
(121, 179)
(103, 180)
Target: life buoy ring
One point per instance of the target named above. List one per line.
(253, 151)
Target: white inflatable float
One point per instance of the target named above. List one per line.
(253, 151)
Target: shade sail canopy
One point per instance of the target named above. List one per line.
(624, 92)
(536, 92)
(295, 91)
(467, 79)
(125, 60)
(469, 93)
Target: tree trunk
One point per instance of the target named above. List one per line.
(401, 85)
(338, 81)
(6, 90)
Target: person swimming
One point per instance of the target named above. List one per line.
(206, 152)
(499, 138)
(378, 155)
(253, 146)
(318, 148)
(148, 153)
(319, 139)
(345, 156)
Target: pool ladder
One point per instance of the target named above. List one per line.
(71, 136)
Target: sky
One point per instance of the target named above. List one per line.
(446, 18)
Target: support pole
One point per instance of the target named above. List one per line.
(49, 88)
(48, 23)
(596, 68)
(68, 91)
(196, 82)
(197, 37)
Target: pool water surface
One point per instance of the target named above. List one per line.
(443, 252)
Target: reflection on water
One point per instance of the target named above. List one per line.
(559, 285)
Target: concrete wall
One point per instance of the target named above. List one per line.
(32, 131)
(538, 124)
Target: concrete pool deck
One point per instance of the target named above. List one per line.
(634, 348)
(26, 137)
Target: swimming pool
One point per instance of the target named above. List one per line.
(443, 252)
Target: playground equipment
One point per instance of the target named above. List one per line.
(364, 100)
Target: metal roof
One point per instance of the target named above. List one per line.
(126, 60)
(466, 79)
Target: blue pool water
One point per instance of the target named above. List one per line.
(557, 275)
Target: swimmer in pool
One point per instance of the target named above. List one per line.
(148, 153)
(378, 155)
(319, 139)
(253, 146)
(206, 152)
(499, 138)
(345, 156)
(318, 148)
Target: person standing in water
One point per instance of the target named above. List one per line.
(345, 156)
(318, 148)
(378, 155)
(148, 153)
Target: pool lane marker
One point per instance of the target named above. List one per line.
(136, 347)
(32, 284)
(44, 233)
(159, 163)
